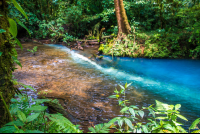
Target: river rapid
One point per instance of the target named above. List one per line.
(82, 85)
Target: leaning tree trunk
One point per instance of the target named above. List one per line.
(122, 20)
(6, 64)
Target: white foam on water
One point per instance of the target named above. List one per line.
(162, 87)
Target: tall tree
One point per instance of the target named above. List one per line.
(122, 20)
(6, 64)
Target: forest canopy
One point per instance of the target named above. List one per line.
(160, 28)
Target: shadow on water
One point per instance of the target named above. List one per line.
(82, 86)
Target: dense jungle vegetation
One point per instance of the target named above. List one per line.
(164, 28)
(153, 29)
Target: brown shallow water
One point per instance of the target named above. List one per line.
(83, 92)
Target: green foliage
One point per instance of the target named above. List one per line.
(19, 8)
(33, 118)
(164, 116)
(13, 27)
(33, 51)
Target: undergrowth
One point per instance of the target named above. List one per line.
(33, 118)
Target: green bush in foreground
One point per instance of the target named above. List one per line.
(33, 118)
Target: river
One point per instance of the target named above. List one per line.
(83, 85)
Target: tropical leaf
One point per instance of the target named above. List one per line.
(13, 27)
(141, 113)
(169, 127)
(92, 129)
(194, 124)
(21, 24)
(134, 107)
(181, 129)
(177, 123)
(182, 117)
(122, 87)
(124, 109)
(177, 106)
(21, 116)
(38, 108)
(127, 85)
(129, 123)
(32, 117)
(17, 5)
(120, 122)
(132, 111)
(18, 43)
(1, 53)
(112, 96)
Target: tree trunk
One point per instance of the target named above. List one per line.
(6, 64)
(122, 20)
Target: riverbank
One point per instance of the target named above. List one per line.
(55, 76)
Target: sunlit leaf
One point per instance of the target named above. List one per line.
(141, 113)
(129, 123)
(177, 106)
(13, 27)
(122, 87)
(134, 107)
(169, 127)
(120, 122)
(194, 124)
(182, 117)
(196, 131)
(177, 123)
(128, 85)
(19, 8)
(132, 111)
(124, 109)
(112, 96)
